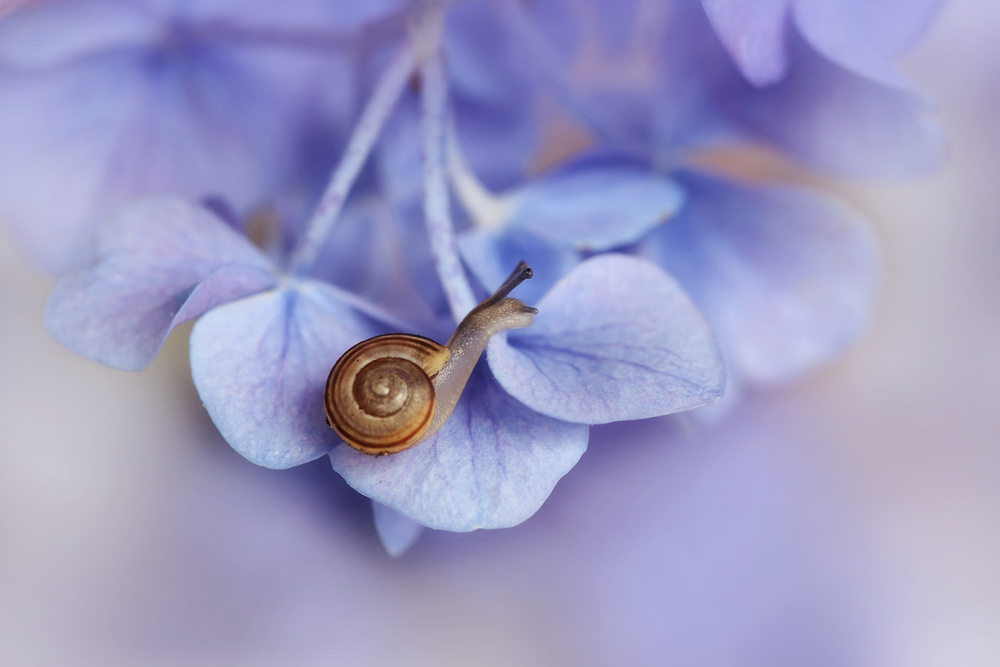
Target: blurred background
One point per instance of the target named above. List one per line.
(850, 519)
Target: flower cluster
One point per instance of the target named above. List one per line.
(162, 158)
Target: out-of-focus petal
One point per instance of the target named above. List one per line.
(865, 36)
(786, 277)
(492, 96)
(292, 14)
(396, 532)
(690, 95)
(830, 118)
(162, 262)
(753, 31)
(185, 112)
(359, 253)
(51, 32)
(616, 339)
(492, 465)
(260, 366)
(618, 22)
(596, 203)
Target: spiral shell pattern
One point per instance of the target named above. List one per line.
(380, 396)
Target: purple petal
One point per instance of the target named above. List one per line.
(260, 366)
(819, 113)
(753, 31)
(865, 36)
(673, 104)
(596, 203)
(183, 113)
(786, 276)
(492, 465)
(305, 16)
(50, 33)
(618, 23)
(616, 339)
(162, 262)
(396, 532)
(830, 118)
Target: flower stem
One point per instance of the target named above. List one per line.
(387, 92)
(486, 209)
(437, 213)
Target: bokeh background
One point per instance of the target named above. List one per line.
(850, 519)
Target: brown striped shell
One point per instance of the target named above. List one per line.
(379, 395)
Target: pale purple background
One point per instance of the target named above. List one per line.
(852, 519)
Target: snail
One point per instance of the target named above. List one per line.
(390, 392)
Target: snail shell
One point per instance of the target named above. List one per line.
(379, 395)
(390, 392)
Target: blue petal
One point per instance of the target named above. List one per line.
(492, 465)
(616, 339)
(599, 202)
(396, 532)
(786, 277)
(260, 366)
(162, 262)
(490, 256)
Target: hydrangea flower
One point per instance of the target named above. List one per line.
(601, 351)
(646, 265)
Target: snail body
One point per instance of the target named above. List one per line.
(390, 392)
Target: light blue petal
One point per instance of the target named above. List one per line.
(396, 532)
(490, 256)
(162, 262)
(616, 339)
(596, 203)
(492, 465)
(787, 277)
(260, 366)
